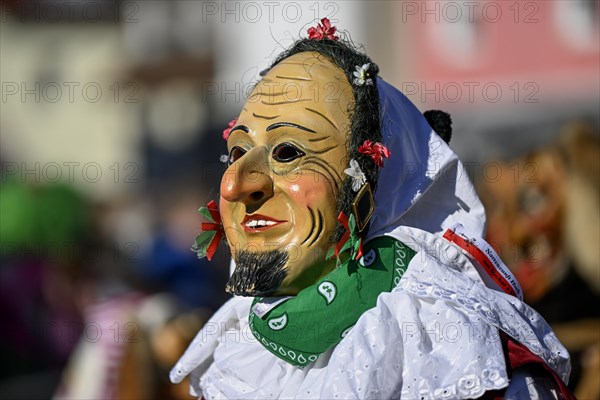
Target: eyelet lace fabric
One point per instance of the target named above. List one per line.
(435, 336)
(442, 277)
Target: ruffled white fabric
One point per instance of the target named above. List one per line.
(435, 336)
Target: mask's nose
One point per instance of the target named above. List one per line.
(248, 180)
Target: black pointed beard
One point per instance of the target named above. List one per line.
(258, 273)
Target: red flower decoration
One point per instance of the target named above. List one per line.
(230, 126)
(324, 30)
(376, 150)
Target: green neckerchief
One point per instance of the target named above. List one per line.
(299, 329)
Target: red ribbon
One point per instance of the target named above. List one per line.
(359, 253)
(343, 219)
(213, 209)
(482, 259)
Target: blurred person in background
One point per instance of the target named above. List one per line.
(543, 214)
(123, 297)
(75, 297)
(44, 234)
(169, 264)
(138, 314)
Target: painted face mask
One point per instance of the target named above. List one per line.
(279, 195)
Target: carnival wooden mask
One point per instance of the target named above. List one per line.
(279, 195)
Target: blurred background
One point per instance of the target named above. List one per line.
(112, 115)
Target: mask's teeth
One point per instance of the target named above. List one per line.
(259, 223)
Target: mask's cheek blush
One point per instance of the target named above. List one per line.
(310, 190)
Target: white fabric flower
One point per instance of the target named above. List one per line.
(358, 177)
(224, 158)
(362, 75)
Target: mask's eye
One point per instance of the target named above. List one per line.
(235, 154)
(286, 152)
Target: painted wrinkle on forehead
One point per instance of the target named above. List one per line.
(310, 90)
(307, 80)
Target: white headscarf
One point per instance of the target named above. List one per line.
(423, 184)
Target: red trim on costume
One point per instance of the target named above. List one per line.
(517, 355)
(482, 259)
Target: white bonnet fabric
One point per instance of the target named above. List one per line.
(423, 184)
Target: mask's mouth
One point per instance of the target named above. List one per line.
(259, 223)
